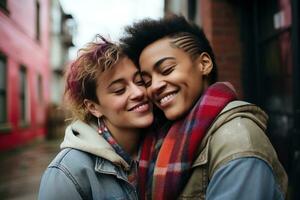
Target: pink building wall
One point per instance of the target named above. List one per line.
(19, 45)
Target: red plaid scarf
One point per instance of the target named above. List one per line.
(166, 158)
(132, 173)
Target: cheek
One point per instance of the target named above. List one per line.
(150, 95)
(143, 90)
(148, 92)
(119, 104)
(116, 104)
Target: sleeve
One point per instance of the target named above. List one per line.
(243, 179)
(55, 184)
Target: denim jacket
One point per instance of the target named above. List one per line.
(86, 168)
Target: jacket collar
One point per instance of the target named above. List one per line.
(106, 167)
(84, 137)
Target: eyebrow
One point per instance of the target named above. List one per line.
(159, 62)
(122, 79)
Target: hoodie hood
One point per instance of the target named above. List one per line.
(84, 137)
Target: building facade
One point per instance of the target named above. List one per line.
(257, 49)
(24, 70)
(63, 28)
(35, 36)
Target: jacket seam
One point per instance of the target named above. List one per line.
(68, 174)
(118, 176)
(58, 161)
(245, 154)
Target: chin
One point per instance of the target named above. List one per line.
(171, 116)
(174, 114)
(144, 122)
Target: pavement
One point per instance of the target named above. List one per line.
(21, 169)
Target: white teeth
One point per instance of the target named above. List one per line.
(140, 107)
(167, 98)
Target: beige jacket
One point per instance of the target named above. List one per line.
(237, 132)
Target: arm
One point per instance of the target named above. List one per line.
(244, 178)
(55, 184)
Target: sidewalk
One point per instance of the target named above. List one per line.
(21, 170)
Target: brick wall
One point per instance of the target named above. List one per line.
(220, 21)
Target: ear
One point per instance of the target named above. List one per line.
(92, 107)
(205, 63)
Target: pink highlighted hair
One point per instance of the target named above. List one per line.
(81, 76)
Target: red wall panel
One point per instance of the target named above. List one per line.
(18, 43)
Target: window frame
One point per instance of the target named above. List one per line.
(23, 97)
(39, 88)
(3, 91)
(5, 126)
(37, 20)
(4, 6)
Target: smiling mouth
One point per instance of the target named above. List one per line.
(165, 100)
(142, 107)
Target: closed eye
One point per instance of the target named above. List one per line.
(119, 91)
(140, 82)
(148, 83)
(167, 70)
(146, 79)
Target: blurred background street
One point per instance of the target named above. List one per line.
(38, 41)
(256, 45)
(21, 169)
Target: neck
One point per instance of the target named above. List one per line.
(128, 139)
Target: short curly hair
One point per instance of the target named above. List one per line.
(81, 76)
(185, 35)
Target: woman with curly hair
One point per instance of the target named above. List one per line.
(98, 157)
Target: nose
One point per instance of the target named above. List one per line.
(157, 87)
(137, 92)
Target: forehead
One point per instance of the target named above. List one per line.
(162, 46)
(124, 69)
(158, 50)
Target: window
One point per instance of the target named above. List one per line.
(40, 88)
(3, 103)
(23, 95)
(3, 4)
(37, 20)
(270, 69)
(192, 9)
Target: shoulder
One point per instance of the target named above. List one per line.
(65, 176)
(72, 157)
(72, 164)
(240, 132)
(233, 176)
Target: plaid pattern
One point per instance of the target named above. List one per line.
(166, 157)
(132, 173)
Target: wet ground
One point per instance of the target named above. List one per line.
(21, 169)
